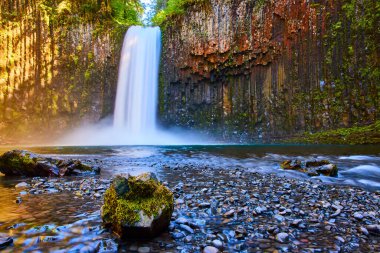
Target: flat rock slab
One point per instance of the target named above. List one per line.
(311, 168)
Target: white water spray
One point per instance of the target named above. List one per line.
(136, 100)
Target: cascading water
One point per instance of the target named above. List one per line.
(134, 121)
(136, 99)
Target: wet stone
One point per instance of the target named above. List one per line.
(282, 237)
(143, 250)
(217, 244)
(210, 249)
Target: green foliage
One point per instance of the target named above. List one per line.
(126, 12)
(61, 12)
(354, 135)
(174, 8)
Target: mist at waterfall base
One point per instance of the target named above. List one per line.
(135, 116)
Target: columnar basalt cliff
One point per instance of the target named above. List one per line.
(58, 65)
(271, 68)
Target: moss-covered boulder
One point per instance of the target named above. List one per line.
(24, 163)
(137, 206)
(311, 168)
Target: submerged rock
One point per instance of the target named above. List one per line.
(137, 206)
(5, 241)
(312, 168)
(24, 163)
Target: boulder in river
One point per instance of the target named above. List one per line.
(25, 163)
(137, 206)
(312, 168)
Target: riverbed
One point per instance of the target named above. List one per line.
(64, 214)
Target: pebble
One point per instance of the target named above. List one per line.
(143, 250)
(204, 205)
(210, 249)
(229, 213)
(179, 201)
(339, 238)
(186, 228)
(279, 218)
(178, 235)
(296, 222)
(182, 220)
(364, 230)
(374, 229)
(282, 237)
(217, 244)
(358, 215)
(22, 185)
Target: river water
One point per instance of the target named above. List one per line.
(60, 222)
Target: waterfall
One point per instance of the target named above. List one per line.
(134, 119)
(136, 98)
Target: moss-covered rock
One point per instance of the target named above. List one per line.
(137, 206)
(311, 168)
(24, 163)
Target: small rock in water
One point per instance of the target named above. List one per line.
(21, 185)
(229, 213)
(279, 218)
(204, 205)
(143, 250)
(358, 215)
(282, 237)
(339, 238)
(5, 242)
(178, 235)
(296, 222)
(260, 209)
(181, 220)
(179, 201)
(186, 229)
(210, 249)
(217, 244)
(374, 229)
(18, 200)
(364, 230)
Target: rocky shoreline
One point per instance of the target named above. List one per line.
(240, 211)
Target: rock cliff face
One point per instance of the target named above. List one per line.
(58, 67)
(266, 69)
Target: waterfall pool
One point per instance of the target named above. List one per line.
(70, 221)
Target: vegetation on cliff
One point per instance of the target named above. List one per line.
(59, 62)
(261, 71)
(353, 135)
(126, 12)
(171, 8)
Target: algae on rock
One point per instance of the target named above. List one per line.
(137, 206)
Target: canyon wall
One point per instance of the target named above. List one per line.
(267, 69)
(58, 66)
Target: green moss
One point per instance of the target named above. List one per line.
(22, 161)
(146, 196)
(18, 160)
(354, 135)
